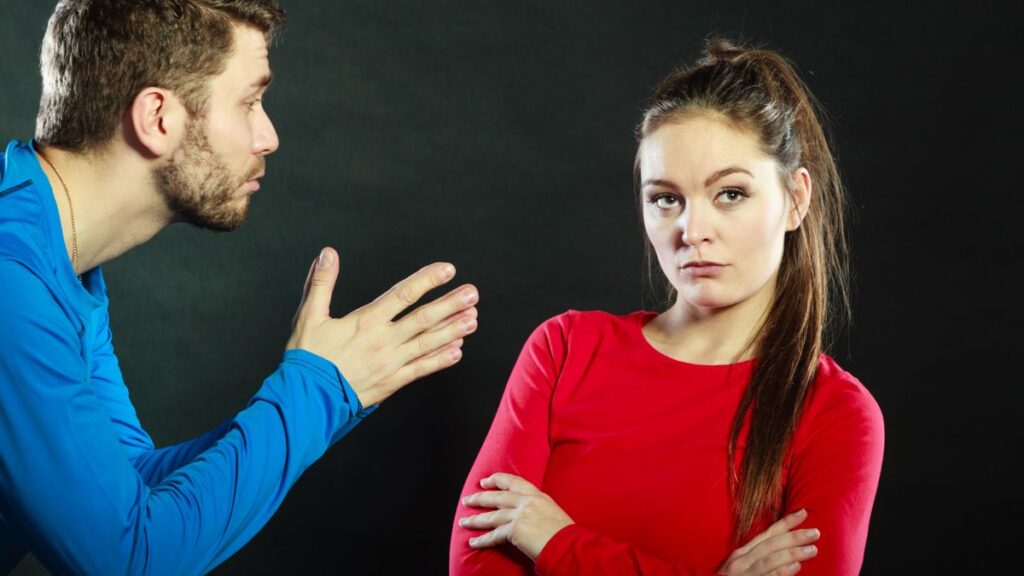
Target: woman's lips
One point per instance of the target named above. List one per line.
(702, 269)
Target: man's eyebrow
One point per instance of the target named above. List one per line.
(262, 81)
(725, 172)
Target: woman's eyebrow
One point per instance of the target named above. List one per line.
(719, 174)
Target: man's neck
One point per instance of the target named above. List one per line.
(116, 204)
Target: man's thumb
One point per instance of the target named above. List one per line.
(321, 286)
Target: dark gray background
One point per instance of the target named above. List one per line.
(498, 136)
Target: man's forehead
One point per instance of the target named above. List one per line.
(248, 65)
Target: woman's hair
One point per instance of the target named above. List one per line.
(758, 90)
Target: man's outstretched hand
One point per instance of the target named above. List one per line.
(378, 355)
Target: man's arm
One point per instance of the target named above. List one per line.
(68, 488)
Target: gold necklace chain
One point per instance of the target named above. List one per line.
(71, 210)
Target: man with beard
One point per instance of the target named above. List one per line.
(151, 114)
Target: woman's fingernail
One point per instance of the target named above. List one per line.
(809, 549)
(448, 272)
(792, 567)
(472, 541)
(462, 521)
(468, 325)
(470, 296)
(801, 512)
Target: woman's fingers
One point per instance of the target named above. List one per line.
(511, 482)
(488, 520)
(493, 499)
(495, 537)
(783, 525)
(785, 561)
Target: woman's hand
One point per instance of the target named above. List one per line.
(524, 516)
(777, 551)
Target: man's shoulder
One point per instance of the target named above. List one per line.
(22, 227)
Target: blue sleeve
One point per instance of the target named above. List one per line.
(68, 486)
(108, 383)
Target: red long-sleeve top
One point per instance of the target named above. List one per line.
(632, 445)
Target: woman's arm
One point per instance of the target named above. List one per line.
(834, 471)
(517, 443)
(531, 521)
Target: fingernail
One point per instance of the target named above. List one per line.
(325, 259)
(801, 512)
(455, 355)
(465, 501)
(809, 549)
(448, 272)
(462, 521)
(470, 297)
(815, 532)
(793, 566)
(472, 541)
(468, 325)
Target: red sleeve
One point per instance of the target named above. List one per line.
(576, 551)
(517, 444)
(837, 460)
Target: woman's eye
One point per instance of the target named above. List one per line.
(731, 196)
(665, 201)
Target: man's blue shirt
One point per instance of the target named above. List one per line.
(81, 484)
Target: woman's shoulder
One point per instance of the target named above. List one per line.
(839, 395)
(595, 320)
(588, 331)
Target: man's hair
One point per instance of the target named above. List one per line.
(97, 55)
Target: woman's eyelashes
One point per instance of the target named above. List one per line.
(731, 196)
(726, 197)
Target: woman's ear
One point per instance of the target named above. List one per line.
(157, 121)
(801, 195)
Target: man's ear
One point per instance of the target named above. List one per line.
(157, 121)
(801, 197)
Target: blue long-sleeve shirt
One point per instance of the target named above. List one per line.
(81, 484)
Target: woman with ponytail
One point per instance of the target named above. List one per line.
(715, 436)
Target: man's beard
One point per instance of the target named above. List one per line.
(199, 188)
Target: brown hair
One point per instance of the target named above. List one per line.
(759, 90)
(97, 55)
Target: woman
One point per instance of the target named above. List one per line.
(659, 443)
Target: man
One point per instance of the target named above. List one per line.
(151, 114)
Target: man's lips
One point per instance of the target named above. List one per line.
(254, 182)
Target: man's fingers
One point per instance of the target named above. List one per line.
(321, 285)
(305, 292)
(428, 316)
(459, 326)
(425, 366)
(408, 291)
(470, 312)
